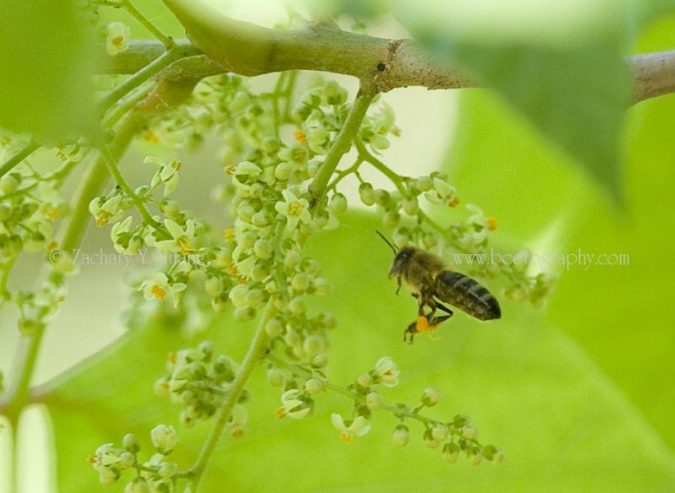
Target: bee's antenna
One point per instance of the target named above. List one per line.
(386, 240)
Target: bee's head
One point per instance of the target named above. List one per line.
(401, 260)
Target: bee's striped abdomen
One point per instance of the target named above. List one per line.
(467, 294)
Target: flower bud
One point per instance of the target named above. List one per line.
(373, 401)
(130, 443)
(314, 386)
(367, 194)
(164, 438)
(430, 396)
(313, 345)
(138, 485)
(276, 377)
(364, 380)
(401, 436)
(450, 452)
(274, 327)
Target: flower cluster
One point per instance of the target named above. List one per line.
(402, 211)
(200, 381)
(30, 204)
(156, 475)
(452, 438)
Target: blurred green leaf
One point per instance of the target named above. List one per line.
(46, 61)
(574, 90)
(528, 388)
(620, 315)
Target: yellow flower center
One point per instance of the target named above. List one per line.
(300, 136)
(118, 41)
(185, 245)
(52, 213)
(158, 292)
(491, 223)
(346, 437)
(295, 208)
(102, 219)
(150, 136)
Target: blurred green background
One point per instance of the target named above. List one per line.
(578, 393)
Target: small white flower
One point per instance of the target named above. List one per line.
(182, 238)
(386, 370)
(294, 209)
(166, 174)
(238, 420)
(158, 288)
(293, 406)
(350, 429)
(116, 39)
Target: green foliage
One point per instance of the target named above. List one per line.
(574, 394)
(47, 60)
(574, 87)
(525, 383)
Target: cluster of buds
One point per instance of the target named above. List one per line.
(452, 438)
(156, 475)
(200, 381)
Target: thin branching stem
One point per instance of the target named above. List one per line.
(17, 157)
(167, 41)
(342, 142)
(256, 352)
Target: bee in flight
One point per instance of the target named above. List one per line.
(432, 284)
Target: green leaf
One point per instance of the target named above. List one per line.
(619, 315)
(46, 58)
(574, 90)
(528, 388)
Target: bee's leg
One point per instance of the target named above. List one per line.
(442, 318)
(409, 333)
(398, 290)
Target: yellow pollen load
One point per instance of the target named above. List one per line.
(423, 324)
(158, 292)
(295, 208)
(280, 413)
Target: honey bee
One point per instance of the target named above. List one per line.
(433, 284)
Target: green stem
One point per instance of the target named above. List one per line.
(342, 143)
(125, 104)
(380, 166)
(276, 94)
(29, 345)
(398, 183)
(398, 410)
(167, 41)
(19, 156)
(139, 77)
(256, 352)
(111, 164)
(354, 168)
